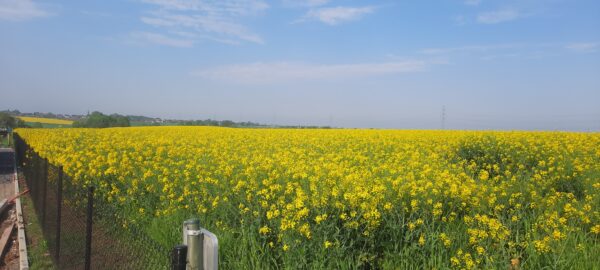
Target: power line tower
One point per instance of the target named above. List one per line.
(444, 117)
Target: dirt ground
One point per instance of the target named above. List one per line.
(10, 258)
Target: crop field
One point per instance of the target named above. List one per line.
(350, 199)
(50, 121)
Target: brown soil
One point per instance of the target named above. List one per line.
(10, 258)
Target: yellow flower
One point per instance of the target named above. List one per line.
(445, 239)
(387, 206)
(368, 181)
(264, 230)
(484, 175)
(557, 235)
(320, 218)
(455, 261)
(541, 245)
(305, 230)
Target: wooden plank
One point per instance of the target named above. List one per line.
(23, 259)
(4, 240)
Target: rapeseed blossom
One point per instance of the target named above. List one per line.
(477, 199)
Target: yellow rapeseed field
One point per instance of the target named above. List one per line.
(348, 199)
(45, 120)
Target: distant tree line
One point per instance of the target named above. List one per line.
(8, 121)
(42, 115)
(144, 121)
(303, 127)
(141, 118)
(216, 123)
(100, 120)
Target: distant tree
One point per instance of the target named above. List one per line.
(6, 120)
(119, 120)
(97, 120)
(100, 120)
(227, 123)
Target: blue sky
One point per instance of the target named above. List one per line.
(528, 64)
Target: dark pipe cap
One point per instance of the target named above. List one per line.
(178, 257)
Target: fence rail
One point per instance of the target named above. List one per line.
(83, 231)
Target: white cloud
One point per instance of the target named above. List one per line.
(305, 3)
(472, 2)
(213, 20)
(584, 47)
(221, 7)
(498, 51)
(501, 56)
(498, 16)
(174, 4)
(20, 10)
(337, 15)
(162, 39)
(275, 72)
(207, 25)
(513, 50)
(473, 48)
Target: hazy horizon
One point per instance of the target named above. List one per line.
(514, 65)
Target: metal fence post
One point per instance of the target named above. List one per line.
(35, 181)
(58, 211)
(88, 228)
(33, 177)
(44, 179)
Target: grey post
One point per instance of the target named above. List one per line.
(193, 239)
(59, 202)
(202, 245)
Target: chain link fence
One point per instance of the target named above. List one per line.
(83, 230)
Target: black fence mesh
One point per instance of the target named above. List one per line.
(83, 231)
